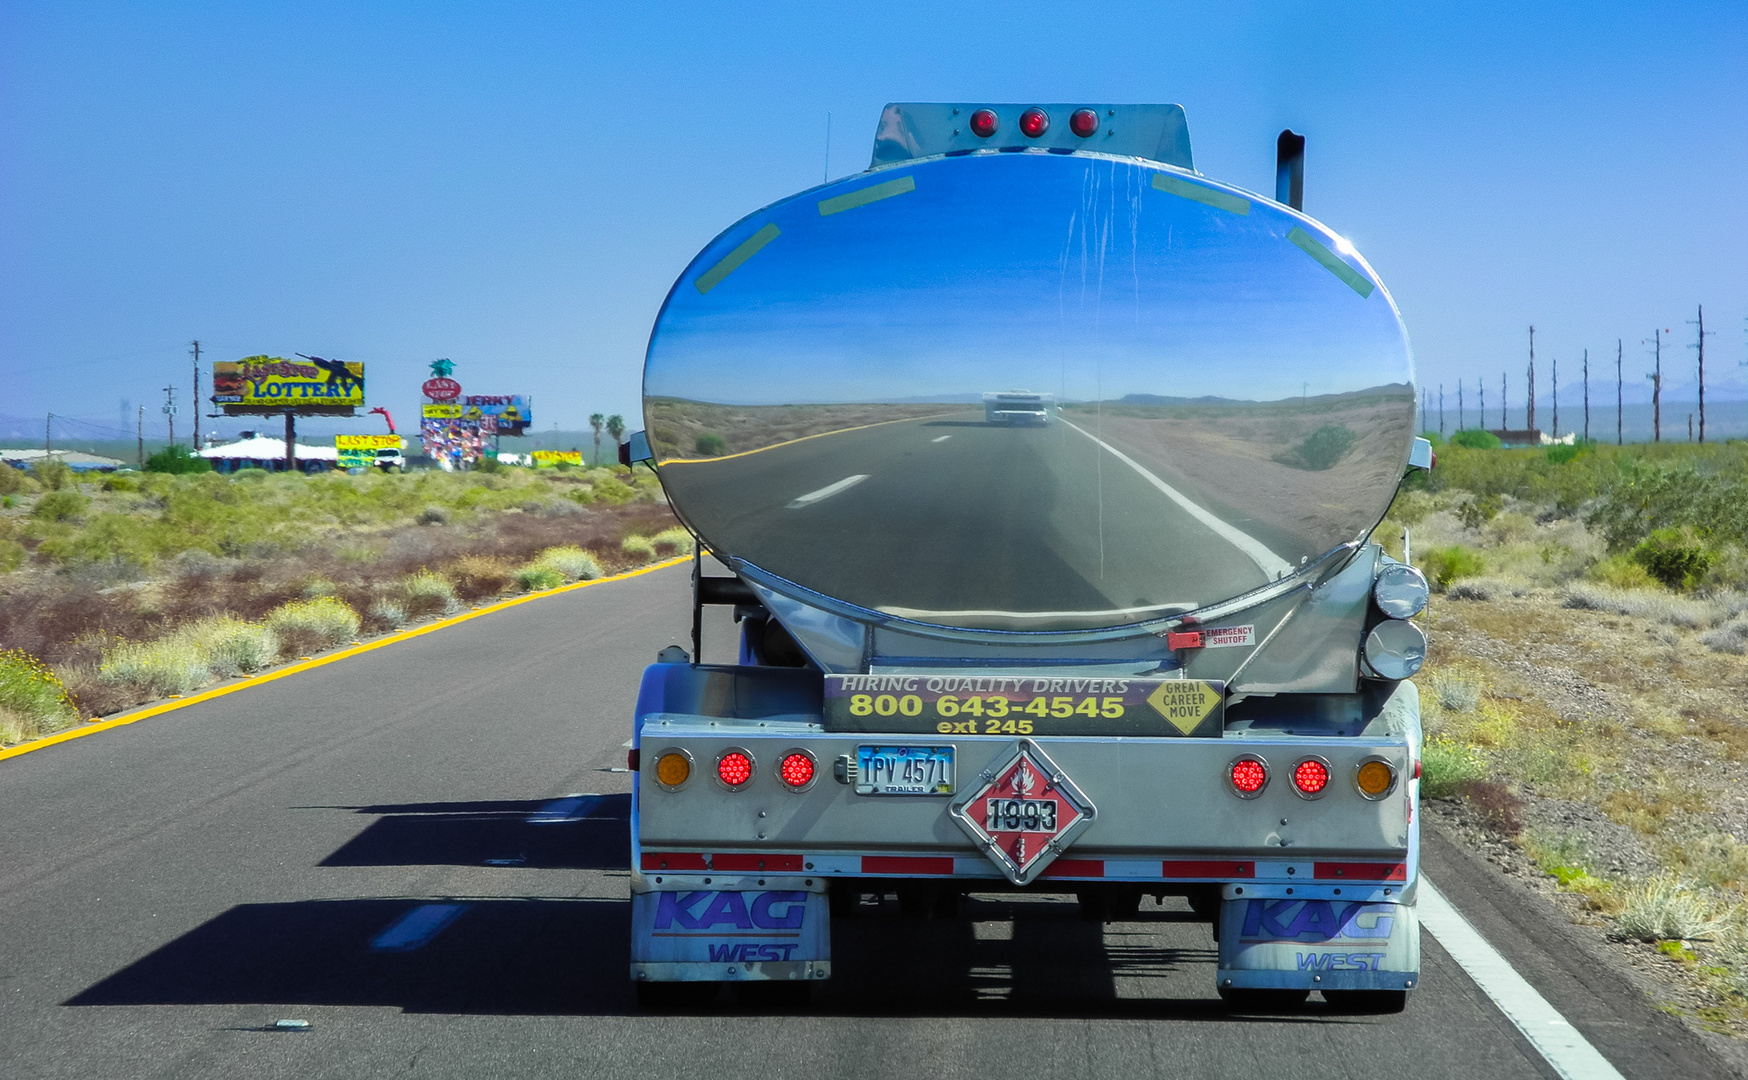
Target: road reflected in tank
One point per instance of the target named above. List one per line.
(1029, 391)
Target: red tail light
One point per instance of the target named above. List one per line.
(796, 769)
(734, 769)
(984, 123)
(1249, 777)
(1034, 122)
(1311, 776)
(1084, 122)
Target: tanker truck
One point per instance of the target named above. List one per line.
(1144, 649)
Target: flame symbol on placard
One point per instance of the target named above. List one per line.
(1025, 782)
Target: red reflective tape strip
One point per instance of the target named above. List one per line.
(667, 860)
(752, 864)
(1206, 868)
(1360, 871)
(905, 864)
(1075, 868)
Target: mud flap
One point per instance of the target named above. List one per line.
(1318, 944)
(781, 931)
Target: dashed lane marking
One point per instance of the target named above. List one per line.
(828, 491)
(569, 808)
(942, 438)
(416, 928)
(1570, 1054)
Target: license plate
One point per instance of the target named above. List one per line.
(904, 770)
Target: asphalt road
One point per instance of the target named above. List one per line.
(942, 517)
(170, 889)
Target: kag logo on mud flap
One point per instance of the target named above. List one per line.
(708, 912)
(1316, 920)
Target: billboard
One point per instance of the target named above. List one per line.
(308, 384)
(501, 414)
(359, 451)
(440, 412)
(548, 458)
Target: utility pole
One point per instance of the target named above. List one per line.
(170, 411)
(1422, 417)
(1441, 410)
(1619, 394)
(1459, 404)
(195, 349)
(48, 438)
(140, 434)
(1481, 394)
(1504, 425)
(1556, 397)
(1700, 344)
(1657, 388)
(1586, 395)
(1529, 416)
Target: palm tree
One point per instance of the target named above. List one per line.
(595, 422)
(616, 428)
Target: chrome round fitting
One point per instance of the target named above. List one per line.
(1400, 591)
(1394, 650)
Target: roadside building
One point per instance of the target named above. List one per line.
(261, 452)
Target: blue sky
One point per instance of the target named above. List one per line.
(516, 186)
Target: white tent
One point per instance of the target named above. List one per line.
(262, 452)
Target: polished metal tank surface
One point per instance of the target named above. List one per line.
(1222, 392)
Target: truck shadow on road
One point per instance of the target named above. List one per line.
(588, 836)
(534, 957)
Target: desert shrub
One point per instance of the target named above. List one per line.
(388, 615)
(425, 593)
(177, 460)
(170, 665)
(13, 481)
(1410, 507)
(1674, 557)
(315, 587)
(1479, 510)
(231, 646)
(1563, 455)
(1481, 588)
(613, 491)
(1732, 637)
(1445, 565)
(1446, 768)
(12, 555)
(1567, 857)
(571, 563)
(305, 626)
(476, 576)
(60, 506)
(1455, 691)
(1476, 439)
(432, 515)
(487, 465)
(1509, 528)
(251, 474)
(55, 474)
(1321, 449)
(710, 444)
(1648, 605)
(1496, 804)
(674, 541)
(120, 482)
(33, 700)
(638, 547)
(1620, 572)
(1651, 495)
(1665, 909)
(534, 578)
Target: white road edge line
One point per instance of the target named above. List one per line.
(943, 438)
(828, 491)
(1272, 565)
(416, 928)
(1570, 1054)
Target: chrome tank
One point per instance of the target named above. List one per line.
(1229, 394)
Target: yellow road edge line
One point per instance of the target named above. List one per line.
(804, 438)
(293, 669)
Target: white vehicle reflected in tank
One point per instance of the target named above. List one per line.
(1217, 392)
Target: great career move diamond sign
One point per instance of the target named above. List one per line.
(950, 704)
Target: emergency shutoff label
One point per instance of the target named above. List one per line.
(1023, 705)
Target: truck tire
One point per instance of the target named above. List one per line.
(675, 996)
(1251, 1000)
(1366, 1002)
